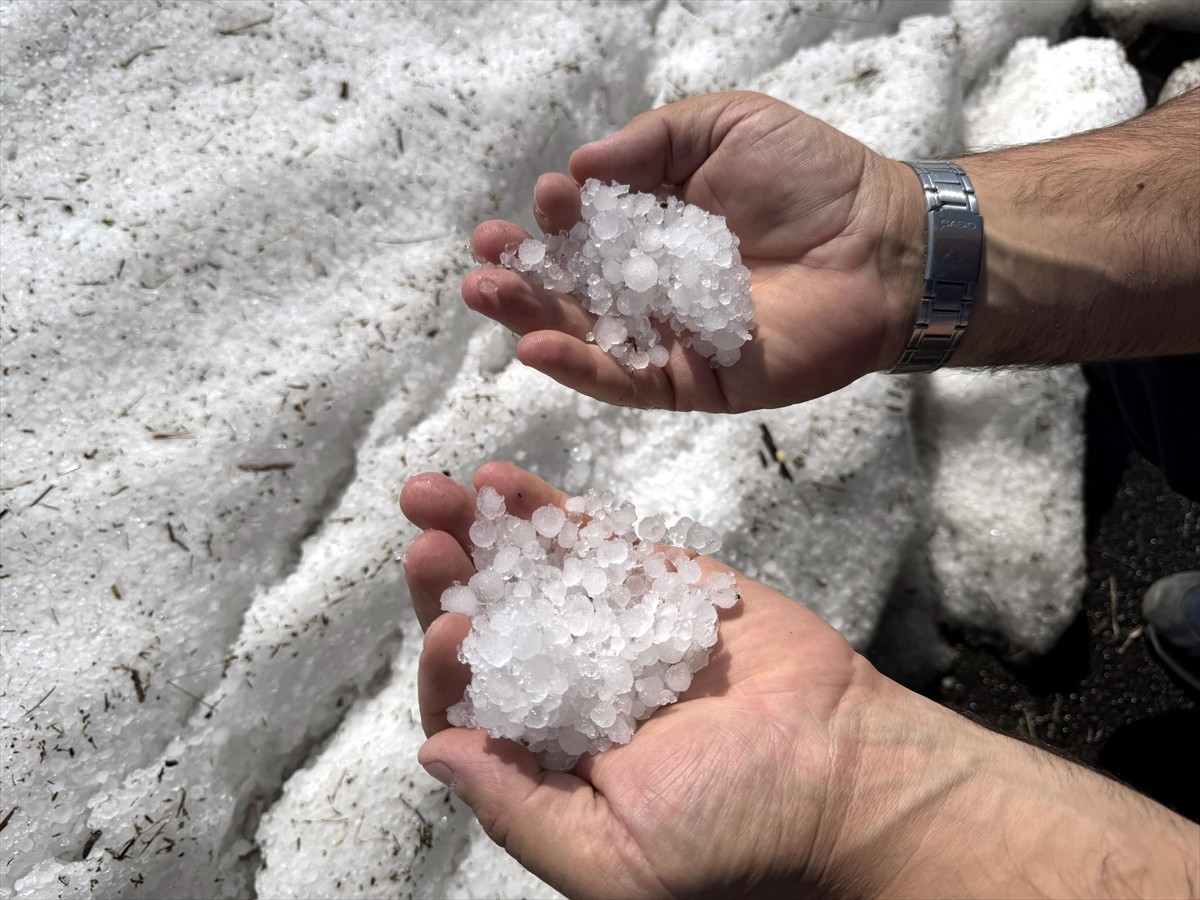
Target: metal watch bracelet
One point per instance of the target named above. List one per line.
(953, 260)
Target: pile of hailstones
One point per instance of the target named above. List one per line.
(637, 257)
(580, 625)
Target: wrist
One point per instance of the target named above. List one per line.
(1092, 245)
(943, 807)
(902, 251)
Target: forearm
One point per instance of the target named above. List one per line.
(955, 810)
(1092, 245)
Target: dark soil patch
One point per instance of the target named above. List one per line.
(1101, 697)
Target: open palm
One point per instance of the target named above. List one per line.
(738, 786)
(812, 208)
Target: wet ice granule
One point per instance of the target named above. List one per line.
(580, 624)
(548, 521)
(641, 258)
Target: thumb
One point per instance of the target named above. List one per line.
(665, 145)
(553, 823)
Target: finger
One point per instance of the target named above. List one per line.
(434, 501)
(523, 492)
(588, 369)
(442, 678)
(527, 810)
(432, 563)
(665, 145)
(523, 307)
(492, 237)
(556, 204)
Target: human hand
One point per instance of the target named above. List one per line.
(831, 231)
(789, 768)
(740, 786)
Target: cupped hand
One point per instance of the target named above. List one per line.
(830, 230)
(742, 785)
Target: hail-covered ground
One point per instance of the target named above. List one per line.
(232, 240)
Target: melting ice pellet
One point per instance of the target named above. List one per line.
(634, 258)
(583, 629)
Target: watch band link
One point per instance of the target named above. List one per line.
(954, 257)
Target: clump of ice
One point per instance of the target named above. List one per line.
(581, 625)
(637, 257)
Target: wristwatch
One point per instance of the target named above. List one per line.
(954, 257)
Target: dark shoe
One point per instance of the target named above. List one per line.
(1171, 610)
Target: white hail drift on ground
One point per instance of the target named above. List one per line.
(233, 236)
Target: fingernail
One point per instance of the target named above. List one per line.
(441, 772)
